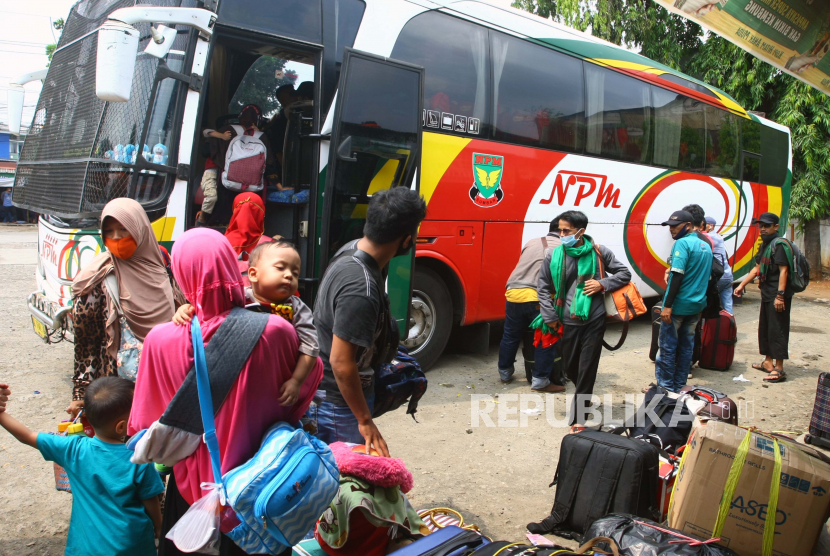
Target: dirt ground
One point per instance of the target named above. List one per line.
(497, 477)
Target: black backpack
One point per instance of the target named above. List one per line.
(662, 435)
(799, 277)
(599, 473)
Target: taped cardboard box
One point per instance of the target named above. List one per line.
(803, 497)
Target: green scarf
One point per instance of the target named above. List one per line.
(586, 266)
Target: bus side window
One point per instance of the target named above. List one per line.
(538, 95)
(722, 142)
(679, 131)
(618, 115)
(455, 55)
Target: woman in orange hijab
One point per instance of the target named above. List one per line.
(145, 295)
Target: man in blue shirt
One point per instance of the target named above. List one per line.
(691, 265)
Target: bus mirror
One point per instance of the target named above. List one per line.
(162, 42)
(16, 94)
(15, 102)
(115, 65)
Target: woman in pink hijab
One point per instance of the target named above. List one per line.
(205, 266)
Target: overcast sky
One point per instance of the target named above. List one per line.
(25, 30)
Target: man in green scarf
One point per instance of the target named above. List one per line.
(571, 295)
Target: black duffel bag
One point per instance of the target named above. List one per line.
(664, 434)
(636, 536)
(599, 473)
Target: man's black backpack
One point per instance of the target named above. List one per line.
(600, 473)
(799, 277)
(664, 435)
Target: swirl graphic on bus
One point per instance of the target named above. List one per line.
(732, 207)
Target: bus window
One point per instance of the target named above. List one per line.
(296, 19)
(455, 56)
(377, 135)
(349, 15)
(618, 115)
(775, 154)
(722, 142)
(538, 95)
(260, 83)
(750, 135)
(679, 125)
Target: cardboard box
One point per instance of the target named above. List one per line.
(803, 497)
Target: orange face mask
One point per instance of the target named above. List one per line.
(122, 248)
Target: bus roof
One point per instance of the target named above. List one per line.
(581, 44)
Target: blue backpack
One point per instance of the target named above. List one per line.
(279, 494)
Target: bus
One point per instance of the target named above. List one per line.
(501, 119)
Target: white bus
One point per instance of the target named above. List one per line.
(500, 118)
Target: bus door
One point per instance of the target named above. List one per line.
(375, 145)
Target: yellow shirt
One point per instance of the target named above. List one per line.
(521, 295)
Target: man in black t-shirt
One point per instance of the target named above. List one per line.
(349, 316)
(772, 269)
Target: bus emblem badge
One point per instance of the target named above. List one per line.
(487, 173)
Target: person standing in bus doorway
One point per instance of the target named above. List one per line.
(522, 308)
(570, 291)
(773, 272)
(719, 251)
(351, 313)
(685, 299)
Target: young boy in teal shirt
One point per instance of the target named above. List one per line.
(685, 299)
(115, 504)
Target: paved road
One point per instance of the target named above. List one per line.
(18, 245)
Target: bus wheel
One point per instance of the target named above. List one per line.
(430, 318)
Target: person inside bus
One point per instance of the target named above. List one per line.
(348, 316)
(522, 308)
(250, 118)
(719, 250)
(145, 294)
(206, 267)
(574, 304)
(684, 300)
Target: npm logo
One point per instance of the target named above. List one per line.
(590, 185)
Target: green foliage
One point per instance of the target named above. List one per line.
(58, 24)
(806, 112)
(678, 43)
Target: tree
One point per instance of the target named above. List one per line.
(58, 24)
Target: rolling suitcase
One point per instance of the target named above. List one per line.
(600, 472)
(719, 406)
(718, 342)
(820, 422)
(449, 541)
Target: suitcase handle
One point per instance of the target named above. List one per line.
(590, 544)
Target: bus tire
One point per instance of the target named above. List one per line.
(430, 318)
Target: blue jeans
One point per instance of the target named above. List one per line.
(725, 292)
(336, 423)
(674, 360)
(518, 317)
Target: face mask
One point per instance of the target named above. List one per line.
(403, 250)
(121, 248)
(681, 233)
(766, 238)
(568, 241)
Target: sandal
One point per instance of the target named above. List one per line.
(776, 376)
(761, 367)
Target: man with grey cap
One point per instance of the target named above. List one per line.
(685, 298)
(773, 271)
(719, 251)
